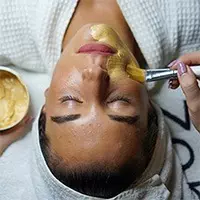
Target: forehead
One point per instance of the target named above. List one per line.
(94, 137)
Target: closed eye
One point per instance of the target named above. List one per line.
(70, 98)
(119, 98)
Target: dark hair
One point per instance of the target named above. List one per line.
(96, 180)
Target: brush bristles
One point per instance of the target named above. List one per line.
(136, 73)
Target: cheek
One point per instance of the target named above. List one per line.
(143, 105)
(57, 138)
(144, 97)
(63, 83)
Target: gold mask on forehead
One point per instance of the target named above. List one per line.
(123, 59)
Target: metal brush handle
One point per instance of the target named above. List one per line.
(160, 74)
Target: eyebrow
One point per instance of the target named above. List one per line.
(125, 119)
(67, 118)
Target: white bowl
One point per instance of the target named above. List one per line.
(14, 73)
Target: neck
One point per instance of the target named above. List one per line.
(106, 12)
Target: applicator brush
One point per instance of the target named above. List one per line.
(156, 74)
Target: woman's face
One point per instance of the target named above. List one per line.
(93, 116)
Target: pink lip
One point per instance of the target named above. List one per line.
(96, 49)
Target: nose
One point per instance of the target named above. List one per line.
(95, 73)
(95, 79)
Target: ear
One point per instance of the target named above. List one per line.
(44, 108)
(46, 92)
(150, 105)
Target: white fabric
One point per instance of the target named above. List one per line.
(164, 29)
(31, 34)
(186, 139)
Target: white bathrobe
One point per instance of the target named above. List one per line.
(31, 34)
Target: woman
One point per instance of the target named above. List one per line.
(97, 133)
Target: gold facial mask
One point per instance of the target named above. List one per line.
(123, 59)
(14, 100)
